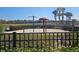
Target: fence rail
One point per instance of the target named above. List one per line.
(39, 40)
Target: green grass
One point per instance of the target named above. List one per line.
(66, 49)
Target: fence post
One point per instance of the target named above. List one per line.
(14, 39)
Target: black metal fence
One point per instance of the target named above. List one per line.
(39, 40)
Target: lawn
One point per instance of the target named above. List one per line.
(67, 49)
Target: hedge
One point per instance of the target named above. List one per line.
(19, 27)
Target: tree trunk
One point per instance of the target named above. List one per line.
(55, 17)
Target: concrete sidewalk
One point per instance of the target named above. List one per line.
(36, 30)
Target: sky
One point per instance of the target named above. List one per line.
(21, 13)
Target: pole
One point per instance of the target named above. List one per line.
(73, 25)
(33, 21)
(43, 26)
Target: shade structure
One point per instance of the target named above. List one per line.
(44, 21)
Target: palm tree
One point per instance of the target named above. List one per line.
(68, 15)
(62, 13)
(59, 12)
(55, 14)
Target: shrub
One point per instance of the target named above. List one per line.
(18, 27)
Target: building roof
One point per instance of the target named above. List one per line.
(43, 18)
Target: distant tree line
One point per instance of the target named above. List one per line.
(19, 21)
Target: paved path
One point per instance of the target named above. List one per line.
(36, 30)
